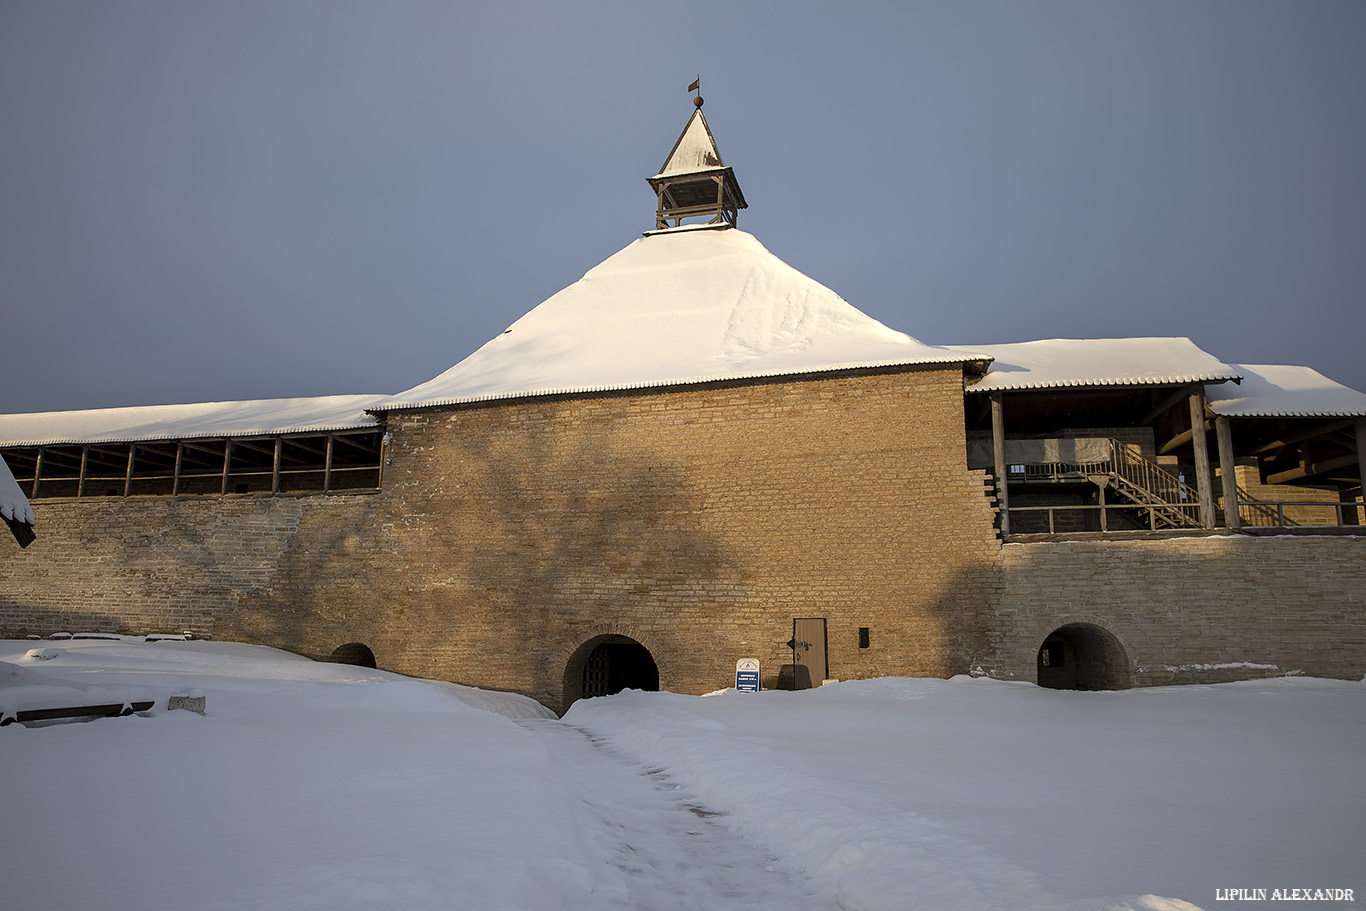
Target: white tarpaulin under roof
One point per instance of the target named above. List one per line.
(181, 422)
(671, 308)
(1074, 362)
(1282, 391)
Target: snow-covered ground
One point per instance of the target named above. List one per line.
(310, 785)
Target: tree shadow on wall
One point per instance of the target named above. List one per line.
(323, 590)
(134, 566)
(566, 534)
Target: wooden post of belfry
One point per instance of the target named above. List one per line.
(128, 475)
(1228, 472)
(998, 452)
(1201, 446)
(38, 469)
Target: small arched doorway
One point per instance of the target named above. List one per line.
(357, 653)
(606, 665)
(1082, 656)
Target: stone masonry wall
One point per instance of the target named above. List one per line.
(224, 567)
(698, 521)
(1190, 609)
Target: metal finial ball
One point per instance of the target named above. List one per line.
(697, 101)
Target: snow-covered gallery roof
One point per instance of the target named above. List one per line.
(179, 422)
(1064, 362)
(1282, 391)
(672, 308)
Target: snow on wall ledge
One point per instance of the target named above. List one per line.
(690, 307)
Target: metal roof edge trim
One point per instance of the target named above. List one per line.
(1074, 384)
(1290, 414)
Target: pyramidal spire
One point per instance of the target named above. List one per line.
(694, 182)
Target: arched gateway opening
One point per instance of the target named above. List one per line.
(1082, 656)
(357, 653)
(609, 664)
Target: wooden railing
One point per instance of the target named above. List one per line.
(1163, 499)
(1271, 514)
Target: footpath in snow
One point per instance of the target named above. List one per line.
(310, 785)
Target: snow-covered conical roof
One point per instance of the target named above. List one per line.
(672, 308)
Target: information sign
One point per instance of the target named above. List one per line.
(747, 675)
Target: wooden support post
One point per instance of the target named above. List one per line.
(85, 460)
(38, 470)
(128, 475)
(1361, 467)
(227, 463)
(385, 441)
(275, 471)
(1201, 446)
(998, 447)
(1100, 499)
(327, 466)
(1228, 473)
(179, 457)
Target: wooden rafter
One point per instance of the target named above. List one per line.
(1294, 439)
(1310, 469)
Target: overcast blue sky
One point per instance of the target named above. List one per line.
(225, 200)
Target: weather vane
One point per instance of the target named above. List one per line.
(697, 87)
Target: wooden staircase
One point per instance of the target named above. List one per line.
(1167, 500)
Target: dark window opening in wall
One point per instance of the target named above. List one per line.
(340, 461)
(863, 637)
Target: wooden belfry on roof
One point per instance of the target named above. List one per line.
(694, 181)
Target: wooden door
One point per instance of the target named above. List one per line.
(808, 648)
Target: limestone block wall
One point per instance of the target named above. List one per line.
(1249, 476)
(699, 521)
(224, 567)
(1190, 609)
